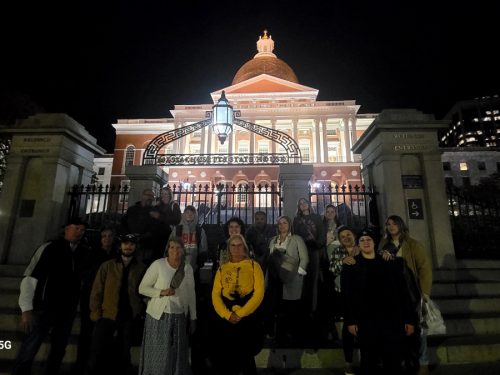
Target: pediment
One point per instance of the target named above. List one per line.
(263, 84)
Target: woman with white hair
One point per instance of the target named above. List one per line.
(169, 283)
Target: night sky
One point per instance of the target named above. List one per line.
(102, 61)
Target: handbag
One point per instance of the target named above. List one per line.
(288, 268)
(432, 320)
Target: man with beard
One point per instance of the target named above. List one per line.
(114, 305)
(258, 237)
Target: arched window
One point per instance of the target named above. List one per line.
(129, 155)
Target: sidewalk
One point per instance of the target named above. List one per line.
(465, 369)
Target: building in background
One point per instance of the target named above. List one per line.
(266, 92)
(473, 123)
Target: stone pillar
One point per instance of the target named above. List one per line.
(273, 144)
(317, 141)
(347, 140)
(295, 181)
(401, 158)
(144, 177)
(325, 140)
(49, 154)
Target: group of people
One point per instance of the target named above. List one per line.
(290, 283)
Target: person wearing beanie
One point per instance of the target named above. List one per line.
(377, 307)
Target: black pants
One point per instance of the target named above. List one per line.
(59, 325)
(108, 352)
(379, 343)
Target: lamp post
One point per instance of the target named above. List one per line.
(222, 124)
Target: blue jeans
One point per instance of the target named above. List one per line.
(44, 322)
(424, 356)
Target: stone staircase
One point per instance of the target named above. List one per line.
(469, 300)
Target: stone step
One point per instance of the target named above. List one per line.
(468, 275)
(443, 352)
(473, 326)
(468, 306)
(10, 283)
(453, 290)
(12, 270)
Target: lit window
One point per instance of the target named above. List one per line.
(222, 149)
(263, 147)
(243, 147)
(332, 152)
(305, 149)
(463, 166)
(194, 148)
(129, 155)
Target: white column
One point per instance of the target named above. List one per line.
(354, 137)
(317, 141)
(347, 140)
(273, 144)
(252, 149)
(325, 139)
(295, 133)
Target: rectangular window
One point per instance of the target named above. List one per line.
(481, 166)
(332, 152)
(263, 147)
(463, 166)
(194, 148)
(100, 171)
(466, 181)
(305, 150)
(448, 181)
(446, 166)
(222, 149)
(243, 147)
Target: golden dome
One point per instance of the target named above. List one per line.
(265, 62)
(265, 65)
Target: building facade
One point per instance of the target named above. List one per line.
(473, 123)
(265, 91)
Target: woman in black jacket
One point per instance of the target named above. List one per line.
(377, 308)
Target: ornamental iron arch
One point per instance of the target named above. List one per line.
(152, 155)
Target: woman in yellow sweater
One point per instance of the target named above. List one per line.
(237, 293)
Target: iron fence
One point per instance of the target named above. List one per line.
(475, 222)
(105, 205)
(355, 206)
(217, 203)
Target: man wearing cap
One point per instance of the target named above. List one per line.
(50, 292)
(114, 305)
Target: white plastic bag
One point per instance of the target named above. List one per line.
(432, 320)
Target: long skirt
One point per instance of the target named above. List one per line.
(164, 348)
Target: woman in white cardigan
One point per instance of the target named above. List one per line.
(169, 282)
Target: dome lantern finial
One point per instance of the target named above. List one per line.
(265, 46)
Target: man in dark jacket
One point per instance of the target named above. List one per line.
(139, 219)
(50, 292)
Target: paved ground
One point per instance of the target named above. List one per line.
(469, 369)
